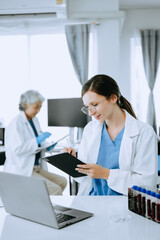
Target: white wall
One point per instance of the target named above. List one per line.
(81, 7)
(108, 48)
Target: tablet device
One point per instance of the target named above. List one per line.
(65, 162)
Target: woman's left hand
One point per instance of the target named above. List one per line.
(93, 170)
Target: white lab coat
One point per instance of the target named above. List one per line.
(138, 157)
(20, 146)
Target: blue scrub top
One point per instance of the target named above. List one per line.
(108, 157)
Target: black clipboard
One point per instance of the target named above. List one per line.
(65, 162)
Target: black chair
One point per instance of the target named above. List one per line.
(2, 158)
(73, 186)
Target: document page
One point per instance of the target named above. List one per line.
(44, 148)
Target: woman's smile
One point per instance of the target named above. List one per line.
(98, 116)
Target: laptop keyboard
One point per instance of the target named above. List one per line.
(63, 217)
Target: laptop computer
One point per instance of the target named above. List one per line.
(28, 198)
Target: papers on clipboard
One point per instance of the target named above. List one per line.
(44, 148)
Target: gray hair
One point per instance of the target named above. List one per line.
(30, 97)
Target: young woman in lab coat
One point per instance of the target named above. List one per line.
(22, 138)
(119, 150)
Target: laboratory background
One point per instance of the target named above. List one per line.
(54, 47)
(35, 47)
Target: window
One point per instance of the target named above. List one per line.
(40, 62)
(139, 86)
(13, 73)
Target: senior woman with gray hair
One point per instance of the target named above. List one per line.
(22, 138)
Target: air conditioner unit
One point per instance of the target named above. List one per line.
(27, 7)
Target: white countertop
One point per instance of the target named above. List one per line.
(112, 220)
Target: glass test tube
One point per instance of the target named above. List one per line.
(153, 205)
(148, 204)
(143, 202)
(130, 199)
(157, 218)
(135, 199)
(139, 199)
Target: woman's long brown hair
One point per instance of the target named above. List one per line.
(107, 86)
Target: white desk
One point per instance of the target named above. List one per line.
(99, 227)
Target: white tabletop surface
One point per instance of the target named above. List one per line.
(112, 220)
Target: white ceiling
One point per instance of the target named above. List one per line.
(135, 4)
